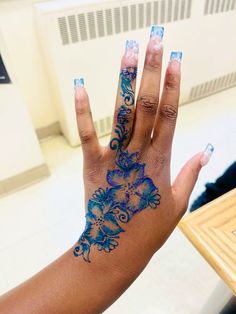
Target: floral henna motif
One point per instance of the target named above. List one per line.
(129, 192)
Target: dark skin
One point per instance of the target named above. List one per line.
(72, 285)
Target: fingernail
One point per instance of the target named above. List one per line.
(156, 35)
(157, 31)
(131, 51)
(207, 154)
(132, 45)
(176, 56)
(78, 82)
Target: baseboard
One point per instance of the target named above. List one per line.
(49, 130)
(23, 179)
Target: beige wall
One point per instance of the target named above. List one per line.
(26, 103)
(20, 150)
(17, 28)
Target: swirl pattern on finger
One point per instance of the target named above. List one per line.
(129, 192)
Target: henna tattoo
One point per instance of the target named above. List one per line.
(129, 192)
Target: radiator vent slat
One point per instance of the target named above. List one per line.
(125, 19)
(141, 15)
(148, 14)
(109, 22)
(155, 12)
(213, 86)
(117, 20)
(82, 27)
(133, 13)
(218, 6)
(89, 25)
(162, 18)
(73, 28)
(100, 23)
(63, 30)
(169, 11)
(182, 10)
(189, 6)
(103, 126)
(176, 10)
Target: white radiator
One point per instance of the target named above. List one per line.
(86, 38)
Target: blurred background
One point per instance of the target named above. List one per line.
(44, 45)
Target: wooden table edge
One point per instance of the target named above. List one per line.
(185, 227)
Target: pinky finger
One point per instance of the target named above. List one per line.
(87, 132)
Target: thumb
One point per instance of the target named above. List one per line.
(187, 177)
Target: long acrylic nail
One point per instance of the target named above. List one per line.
(156, 35)
(78, 82)
(131, 51)
(207, 154)
(157, 31)
(176, 56)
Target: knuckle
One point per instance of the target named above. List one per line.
(81, 109)
(153, 61)
(86, 136)
(92, 175)
(154, 65)
(168, 112)
(160, 159)
(148, 104)
(127, 113)
(172, 82)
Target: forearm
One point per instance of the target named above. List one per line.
(71, 285)
(68, 285)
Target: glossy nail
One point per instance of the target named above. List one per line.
(78, 82)
(176, 56)
(207, 154)
(157, 31)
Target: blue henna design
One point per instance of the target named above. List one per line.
(127, 76)
(101, 229)
(129, 191)
(132, 188)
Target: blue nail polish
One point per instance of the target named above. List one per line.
(79, 82)
(132, 44)
(157, 31)
(209, 149)
(176, 55)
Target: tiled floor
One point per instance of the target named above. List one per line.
(39, 223)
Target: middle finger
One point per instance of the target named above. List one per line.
(149, 91)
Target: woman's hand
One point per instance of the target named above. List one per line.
(128, 193)
(131, 206)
